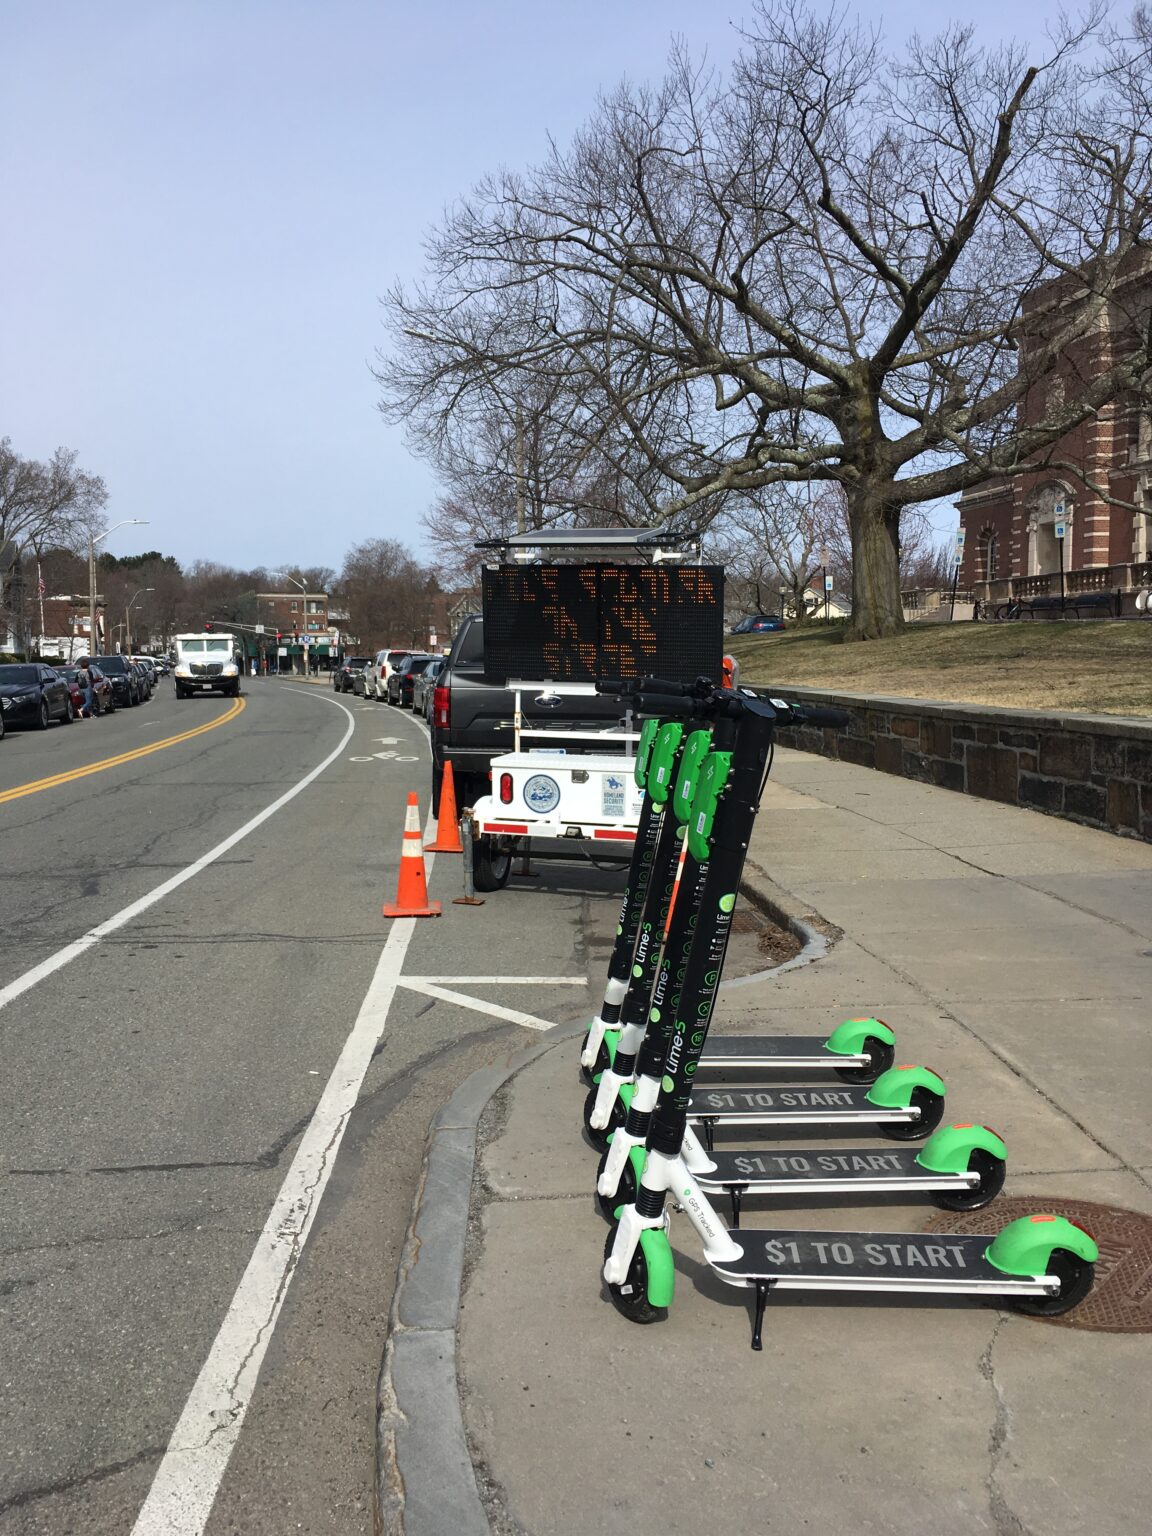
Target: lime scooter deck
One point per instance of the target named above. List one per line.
(1042, 1264)
(870, 1054)
(906, 1104)
(961, 1168)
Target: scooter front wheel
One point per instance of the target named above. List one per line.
(991, 1171)
(624, 1193)
(616, 1118)
(1075, 1275)
(631, 1298)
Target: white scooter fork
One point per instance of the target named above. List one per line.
(669, 1176)
(611, 1081)
(614, 994)
(647, 1090)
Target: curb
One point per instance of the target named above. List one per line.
(425, 1484)
(777, 903)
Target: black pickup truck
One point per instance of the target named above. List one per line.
(473, 720)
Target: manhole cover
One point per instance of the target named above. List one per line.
(1121, 1298)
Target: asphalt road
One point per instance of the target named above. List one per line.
(164, 1080)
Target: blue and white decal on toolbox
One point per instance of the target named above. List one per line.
(541, 794)
(612, 790)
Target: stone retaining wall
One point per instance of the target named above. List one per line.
(1094, 769)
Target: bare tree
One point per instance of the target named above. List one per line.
(821, 268)
(389, 594)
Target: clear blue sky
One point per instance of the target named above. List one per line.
(204, 200)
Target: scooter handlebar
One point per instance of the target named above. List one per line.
(813, 714)
(630, 687)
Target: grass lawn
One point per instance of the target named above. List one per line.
(1092, 667)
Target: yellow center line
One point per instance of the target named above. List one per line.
(124, 757)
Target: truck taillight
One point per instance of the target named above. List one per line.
(442, 707)
(505, 789)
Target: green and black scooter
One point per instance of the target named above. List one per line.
(905, 1102)
(1041, 1264)
(858, 1050)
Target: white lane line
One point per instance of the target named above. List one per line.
(87, 941)
(512, 981)
(477, 1004)
(186, 1482)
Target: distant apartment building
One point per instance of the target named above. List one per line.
(303, 622)
(1012, 525)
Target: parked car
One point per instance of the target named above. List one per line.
(143, 680)
(758, 624)
(101, 688)
(424, 686)
(33, 694)
(378, 671)
(402, 682)
(118, 670)
(150, 670)
(344, 676)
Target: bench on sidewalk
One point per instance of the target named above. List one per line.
(1079, 604)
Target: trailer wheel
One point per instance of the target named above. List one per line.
(491, 863)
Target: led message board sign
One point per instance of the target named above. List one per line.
(575, 623)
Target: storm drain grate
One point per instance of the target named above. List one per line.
(1120, 1301)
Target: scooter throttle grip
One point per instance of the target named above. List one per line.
(664, 706)
(813, 714)
(616, 684)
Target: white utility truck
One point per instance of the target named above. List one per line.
(207, 662)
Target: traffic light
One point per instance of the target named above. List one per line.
(207, 629)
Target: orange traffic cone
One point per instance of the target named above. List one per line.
(447, 821)
(412, 887)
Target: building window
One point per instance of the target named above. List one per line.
(293, 605)
(990, 546)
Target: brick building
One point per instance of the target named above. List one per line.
(303, 621)
(1010, 525)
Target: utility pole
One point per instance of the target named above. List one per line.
(520, 528)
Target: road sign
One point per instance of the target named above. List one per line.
(827, 583)
(959, 538)
(258, 629)
(1058, 511)
(1058, 528)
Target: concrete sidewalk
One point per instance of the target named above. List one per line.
(1011, 952)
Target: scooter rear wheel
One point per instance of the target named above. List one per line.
(631, 1298)
(880, 1055)
(931, 1107)
(991, 1170)
(1075, 1275)
(615, 1119)
(625, 1193)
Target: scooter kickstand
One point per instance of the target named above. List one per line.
(735, 1194)
(762, 1289)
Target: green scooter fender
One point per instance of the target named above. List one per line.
(661, 1269)
(648, 732)
(1024, 1246)
(662, 760)
(950, 1149)
(850, 1038)
(894, 1089)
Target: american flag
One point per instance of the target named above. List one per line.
(40, 587)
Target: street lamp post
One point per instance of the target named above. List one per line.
(824, 578)
(93, 540)
(304, 620)
(784, 590)
(127, 622)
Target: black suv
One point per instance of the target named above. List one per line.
(122, 675)
(344, 677)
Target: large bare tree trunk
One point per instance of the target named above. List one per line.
(875, 525)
